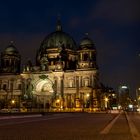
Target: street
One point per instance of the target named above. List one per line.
(72, 126)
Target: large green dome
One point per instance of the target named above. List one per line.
(58, 39)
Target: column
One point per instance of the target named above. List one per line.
(77, 86)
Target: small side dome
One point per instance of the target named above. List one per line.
(11, 49)
(87, 43)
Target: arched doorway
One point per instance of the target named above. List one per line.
(44, 93)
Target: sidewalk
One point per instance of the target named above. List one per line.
(19, 116)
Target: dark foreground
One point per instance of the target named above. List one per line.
(72, 126)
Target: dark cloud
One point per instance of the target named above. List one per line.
(119, 11)
(75, 22)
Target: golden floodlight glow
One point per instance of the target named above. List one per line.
(87, 95)
(106, 99)
(113, 94)
(13, 101)
(58, 100)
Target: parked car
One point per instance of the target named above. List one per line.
(4, 110)
(14, 110)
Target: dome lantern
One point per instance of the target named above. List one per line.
(58, 25)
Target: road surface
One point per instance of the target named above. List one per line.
(72, 126)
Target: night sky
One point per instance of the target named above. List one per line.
(112, 24)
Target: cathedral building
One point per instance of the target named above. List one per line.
(64, 77)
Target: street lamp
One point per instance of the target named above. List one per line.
(12, 103)
(87, 100)
(106, 102)
(58, 103)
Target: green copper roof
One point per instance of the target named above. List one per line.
(87, 43)
(58, 39)
(11, 49)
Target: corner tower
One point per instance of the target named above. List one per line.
(10, 60)
(86, 54)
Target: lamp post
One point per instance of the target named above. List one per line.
(106, 102)
(58, 103)
(87, 100)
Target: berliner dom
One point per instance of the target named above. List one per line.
(65, 76)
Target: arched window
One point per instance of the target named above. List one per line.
(86, 82)
(86, 57)
(19, 86)
(7, 62)
(71, 82)
(4, 87)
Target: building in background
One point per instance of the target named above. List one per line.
(108, 98)
(65, 76)
(124, 97)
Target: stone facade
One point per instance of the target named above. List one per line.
(65, 75)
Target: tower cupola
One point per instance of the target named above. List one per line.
(10, 60)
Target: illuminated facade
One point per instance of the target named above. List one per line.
(65, 75)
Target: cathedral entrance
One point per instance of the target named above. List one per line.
(44, 93)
